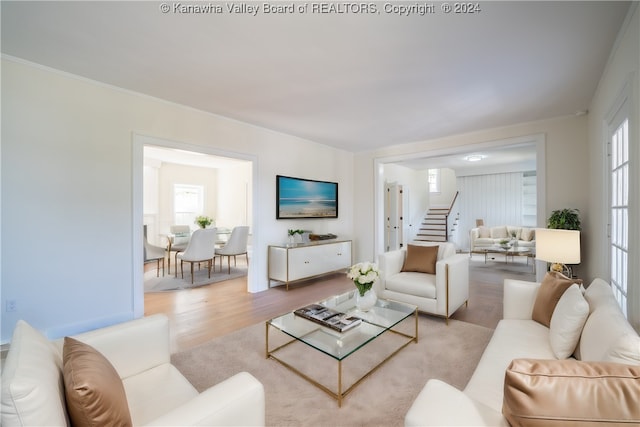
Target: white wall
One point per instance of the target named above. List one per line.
(623, 68)
(494, 198)
(448, 188)
(67, 198)
(235, 196)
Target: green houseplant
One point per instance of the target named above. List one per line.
(566, 219)
(203, 221)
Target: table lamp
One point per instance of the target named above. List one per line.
(558, 247)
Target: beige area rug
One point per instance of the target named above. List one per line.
(169, 282)
(449, 353)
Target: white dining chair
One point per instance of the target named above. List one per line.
(201, 248)
(178, 239)
(236, 245)
(153, 253)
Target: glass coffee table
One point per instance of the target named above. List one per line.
(512, 252)
(385, 316)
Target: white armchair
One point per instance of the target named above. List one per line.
(440, 294)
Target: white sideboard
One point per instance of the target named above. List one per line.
(302, 261)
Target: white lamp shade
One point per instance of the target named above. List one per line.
(558, 246)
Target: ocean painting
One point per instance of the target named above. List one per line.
(302, 198)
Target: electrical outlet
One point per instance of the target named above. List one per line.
(11, 305)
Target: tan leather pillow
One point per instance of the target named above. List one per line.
(421, 259)
(570, 392)
(551, 289)
(94, 391)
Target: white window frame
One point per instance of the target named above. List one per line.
(188, 214)
(619, 213)
(433, 179)
(618, 191)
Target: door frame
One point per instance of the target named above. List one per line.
(539, 140)
(139, 141)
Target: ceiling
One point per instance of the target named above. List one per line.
(509, 158)
(189, 158)
(357, 81)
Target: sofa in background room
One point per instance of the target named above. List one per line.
(487, 237)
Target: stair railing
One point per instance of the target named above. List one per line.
(446, 217)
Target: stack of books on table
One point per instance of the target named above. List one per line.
(325, 316)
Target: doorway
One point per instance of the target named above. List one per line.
(221, 187)
(440, 158)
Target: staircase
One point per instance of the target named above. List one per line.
(438, 224)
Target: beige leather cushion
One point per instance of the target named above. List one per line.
(551, 289)
(570, 392)
(94, 391)
(421, 259)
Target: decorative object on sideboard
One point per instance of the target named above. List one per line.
(203, 221)
(292, 233)
(328, 236)
(558, 247)
(364, 275)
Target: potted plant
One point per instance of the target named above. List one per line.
(565, 219)
(203, 221)
(292, 235)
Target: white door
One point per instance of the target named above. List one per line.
(393, 217)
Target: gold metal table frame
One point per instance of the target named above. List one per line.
(339, 394)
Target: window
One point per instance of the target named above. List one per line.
(188, 202)
(619, 210)
(434, 180)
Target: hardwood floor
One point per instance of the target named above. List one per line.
(201, 314)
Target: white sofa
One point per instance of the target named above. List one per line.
(487, 237)
(440, 294)
(156, 392)
(606, 336)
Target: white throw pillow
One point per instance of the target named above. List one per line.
(500, 232)
(32, 386)
(567, 321)
(626, 349)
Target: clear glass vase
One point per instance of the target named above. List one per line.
(367, 301)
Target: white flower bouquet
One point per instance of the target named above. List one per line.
(364, 274)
